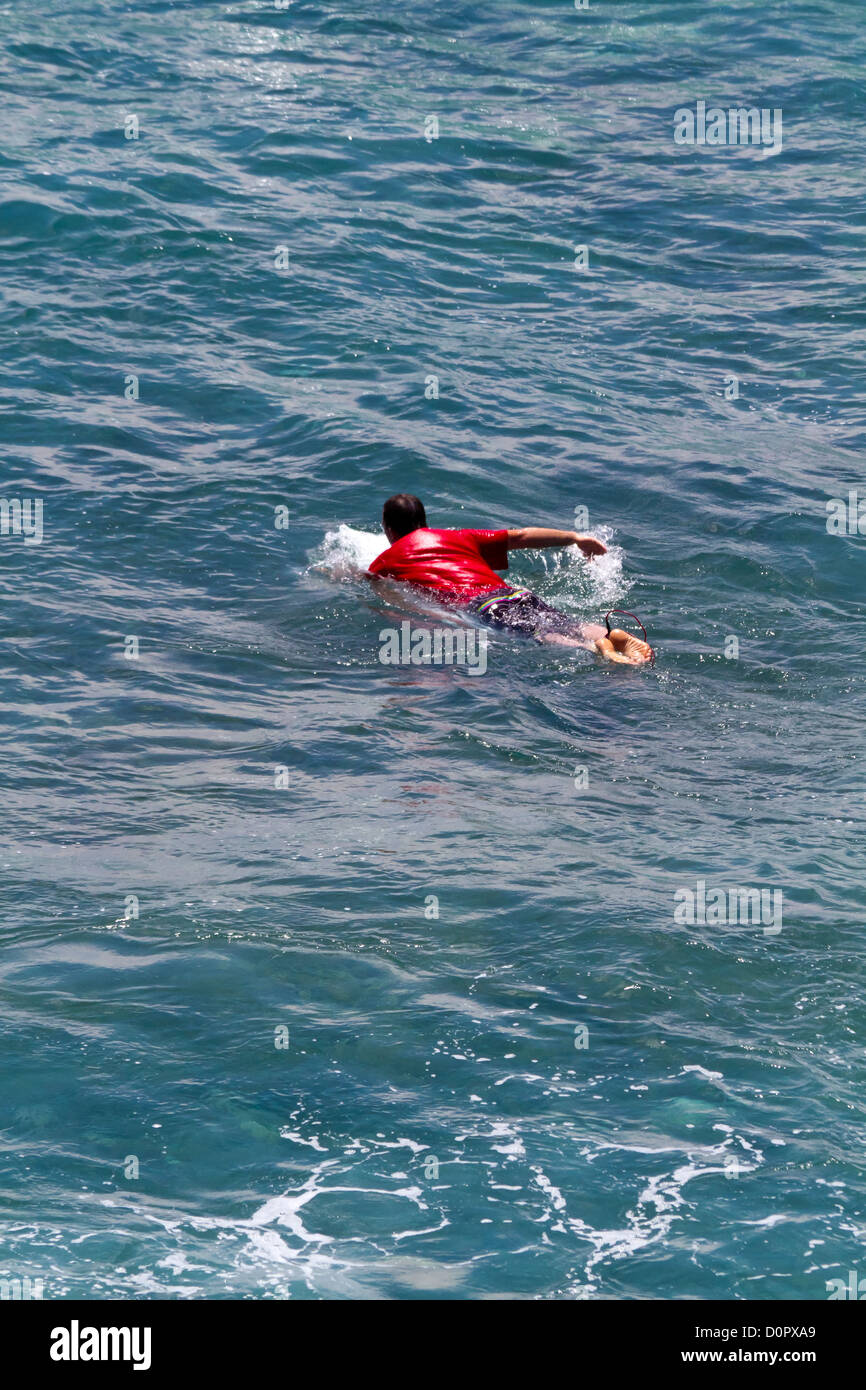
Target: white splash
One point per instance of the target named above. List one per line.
(587, 586)
(347, 553)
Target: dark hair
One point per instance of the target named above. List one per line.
(403, 513)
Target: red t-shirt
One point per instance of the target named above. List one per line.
(456, 565)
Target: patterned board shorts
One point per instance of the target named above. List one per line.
(522, 611)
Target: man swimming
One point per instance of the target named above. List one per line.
(458, 568)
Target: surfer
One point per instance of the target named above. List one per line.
(458, 567)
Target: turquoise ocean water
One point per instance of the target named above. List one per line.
(508, 1069)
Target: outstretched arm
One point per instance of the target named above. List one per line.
(543, 538)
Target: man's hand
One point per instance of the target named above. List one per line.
(589, 545)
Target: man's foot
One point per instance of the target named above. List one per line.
(622, 647)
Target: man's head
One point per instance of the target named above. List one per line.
(402, 514)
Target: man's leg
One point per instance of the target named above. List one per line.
(538, 619)
(616, 645)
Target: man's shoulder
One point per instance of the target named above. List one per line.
(464, 532)
(399, 548)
